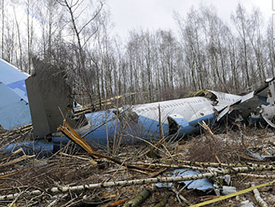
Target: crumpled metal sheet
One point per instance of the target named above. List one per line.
(201, 184)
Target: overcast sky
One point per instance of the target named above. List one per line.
(158, 14)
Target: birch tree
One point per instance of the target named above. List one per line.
(83, 27)
(241, 23)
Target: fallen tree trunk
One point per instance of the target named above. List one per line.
(145, 181)
(258, 197)
(139, 199)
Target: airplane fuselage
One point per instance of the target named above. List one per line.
(179, 117)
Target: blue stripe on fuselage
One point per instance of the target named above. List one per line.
(19, 88)
(145, 128)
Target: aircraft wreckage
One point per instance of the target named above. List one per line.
(44, 99)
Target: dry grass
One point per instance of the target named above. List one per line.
(61, 170)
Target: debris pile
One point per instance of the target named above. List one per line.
(214, 170)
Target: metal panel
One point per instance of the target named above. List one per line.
(49, 98)
(14, 111)
(14, 79)
(38, 113)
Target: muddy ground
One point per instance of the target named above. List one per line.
(27, 180)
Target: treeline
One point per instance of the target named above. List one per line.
(150, 66)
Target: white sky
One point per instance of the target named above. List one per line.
(158, 14)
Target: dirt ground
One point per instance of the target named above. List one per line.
(27, 180)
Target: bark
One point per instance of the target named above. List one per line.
(139, 199)
(258, 198)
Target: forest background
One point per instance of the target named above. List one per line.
(204, 53)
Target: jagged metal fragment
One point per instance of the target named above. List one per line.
(49, 98)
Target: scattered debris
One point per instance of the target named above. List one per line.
(246, 203)
(108, 182)
(199, 184)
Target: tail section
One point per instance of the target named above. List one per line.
(14, 108)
